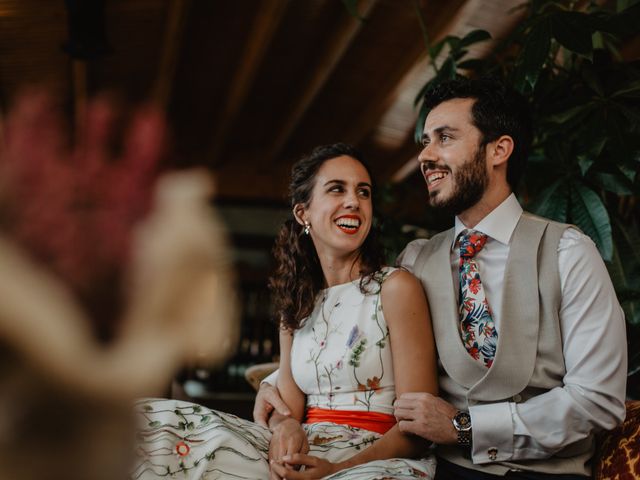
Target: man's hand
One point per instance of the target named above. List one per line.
(288, 438)
(267, 400)
(314, 467)
(426, 415)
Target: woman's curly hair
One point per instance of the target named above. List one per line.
(298, 276)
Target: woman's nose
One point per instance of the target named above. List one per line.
(351, 200)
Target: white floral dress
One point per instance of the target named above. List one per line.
(340, 359)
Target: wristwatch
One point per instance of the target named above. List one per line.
(462, 424)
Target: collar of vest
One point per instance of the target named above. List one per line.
(517, 340)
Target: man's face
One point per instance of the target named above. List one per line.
(452, 161)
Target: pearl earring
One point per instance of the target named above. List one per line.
(307, 228)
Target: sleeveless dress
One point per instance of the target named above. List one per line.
(341, 360)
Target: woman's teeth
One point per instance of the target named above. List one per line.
(349, 225)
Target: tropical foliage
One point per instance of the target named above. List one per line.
(568, 58)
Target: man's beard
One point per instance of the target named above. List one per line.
(469, 183)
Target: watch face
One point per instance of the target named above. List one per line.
(462, 421)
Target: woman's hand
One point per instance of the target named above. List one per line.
(314, 467)
(288, 439)
(268, 399)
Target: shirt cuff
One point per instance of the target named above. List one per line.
(271, 379)
(492, 432)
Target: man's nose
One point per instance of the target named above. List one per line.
(427, 154)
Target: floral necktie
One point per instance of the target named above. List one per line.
(477, 329)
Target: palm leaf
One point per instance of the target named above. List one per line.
(589, 213)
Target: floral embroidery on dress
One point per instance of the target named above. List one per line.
(348, 350)
(345, 339)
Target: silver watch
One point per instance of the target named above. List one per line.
(462, 424)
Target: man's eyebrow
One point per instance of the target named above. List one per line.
(447, 128)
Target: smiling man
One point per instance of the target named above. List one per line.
(530, 335)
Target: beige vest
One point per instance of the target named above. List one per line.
(528, 359)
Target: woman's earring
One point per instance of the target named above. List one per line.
(307, 228)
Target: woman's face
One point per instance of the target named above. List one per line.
(340, 210)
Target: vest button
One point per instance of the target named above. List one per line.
(517, 398)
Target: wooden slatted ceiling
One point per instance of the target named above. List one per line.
(31, 34)
(136, 32)
(490, 15)
(250, 85)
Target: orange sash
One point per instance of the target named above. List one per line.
(372, 421)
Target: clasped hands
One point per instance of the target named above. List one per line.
(288, 451)
(417, 413)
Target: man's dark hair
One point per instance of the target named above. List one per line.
(498, 110)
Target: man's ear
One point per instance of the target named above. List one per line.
(299, 213)
(500, 150)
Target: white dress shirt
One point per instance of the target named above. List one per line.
(593, 339)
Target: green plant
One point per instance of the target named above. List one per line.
(585, 97)
(566, 57)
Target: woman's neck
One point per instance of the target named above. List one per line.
(337, 271)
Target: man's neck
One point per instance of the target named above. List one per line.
(487, 204)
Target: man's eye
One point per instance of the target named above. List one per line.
(425, 143)
(445, 138)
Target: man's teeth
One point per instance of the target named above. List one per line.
(348, 222)
(432, 177)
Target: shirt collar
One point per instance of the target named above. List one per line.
(499, 224)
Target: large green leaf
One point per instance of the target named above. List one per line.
(626, 243)
(570, 113)
(624, 269)
(572, 30)
(435, 50)
(472, 64)
(589, 213)
(631, 90)
(628, 172)
(535, 51)
(474, 36)
(552, 202)
(585, 163)
(615, 183)
(590, 77)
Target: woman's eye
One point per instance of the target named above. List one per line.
(365, 193)
(336, 188)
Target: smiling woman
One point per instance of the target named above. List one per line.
(331, 191)
(354, 335)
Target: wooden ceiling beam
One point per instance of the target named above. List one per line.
(467, 18)
(439, 17)
(325, 67)
(266, 22)
(234, 181)
(176, 20)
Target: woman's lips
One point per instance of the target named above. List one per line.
(349, 224)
